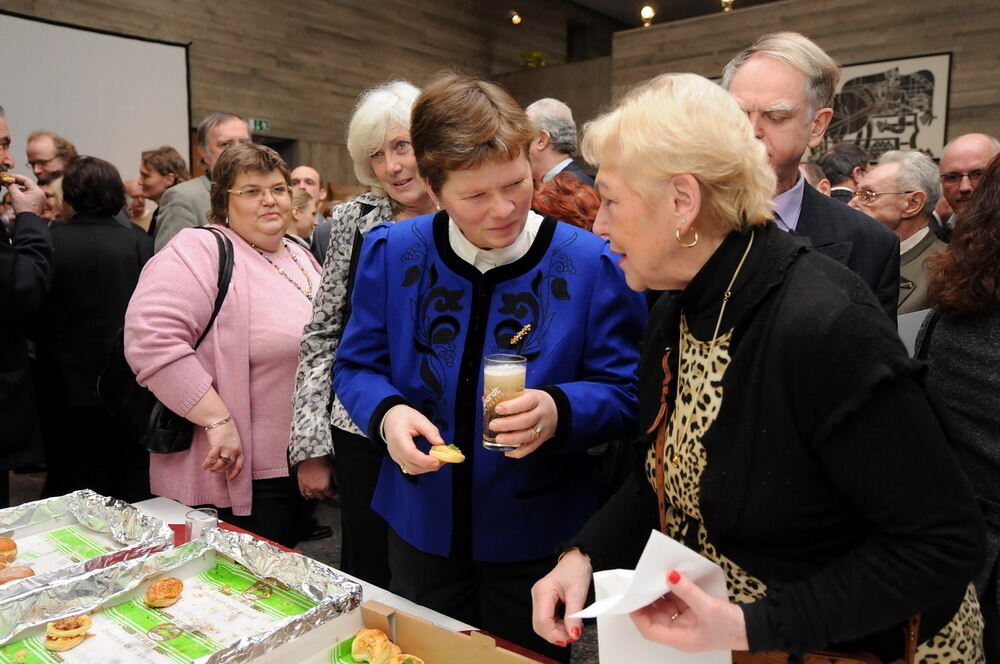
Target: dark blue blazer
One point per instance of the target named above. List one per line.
(855, 240)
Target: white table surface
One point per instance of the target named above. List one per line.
(171, 511)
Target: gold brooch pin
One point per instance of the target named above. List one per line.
(520, 335)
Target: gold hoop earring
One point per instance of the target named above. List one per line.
(686, 245)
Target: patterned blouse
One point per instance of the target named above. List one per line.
(314, 407)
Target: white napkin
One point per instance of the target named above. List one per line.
(620, 592)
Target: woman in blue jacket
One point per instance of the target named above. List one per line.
(433, 296)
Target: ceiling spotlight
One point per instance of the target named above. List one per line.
(727, 5)
(515, 17)
(647, 13)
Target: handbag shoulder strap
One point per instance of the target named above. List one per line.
(225, 276)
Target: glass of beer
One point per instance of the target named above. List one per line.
(503, 379)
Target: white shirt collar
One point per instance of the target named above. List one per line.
(913, 240)
(557, 169)
(487, 259)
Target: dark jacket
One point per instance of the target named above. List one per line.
(25, 269)
(819, 460)
(97, 265)
(855, 240)
(576, 168)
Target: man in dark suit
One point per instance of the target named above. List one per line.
(785, 83)
(844, 165)
(555, 144)
(25, 269)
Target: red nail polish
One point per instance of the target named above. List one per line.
(561, 644)
(576, 632)
(674, 577)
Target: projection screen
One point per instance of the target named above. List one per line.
(112, 95)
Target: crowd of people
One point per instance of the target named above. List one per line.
(712, 308)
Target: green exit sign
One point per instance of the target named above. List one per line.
(258, 125)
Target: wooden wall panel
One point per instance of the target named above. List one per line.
(302, 65)
(851, 31)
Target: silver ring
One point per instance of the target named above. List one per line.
(225, 459)
(537, 429)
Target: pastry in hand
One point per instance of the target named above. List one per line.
(8, 550)
(447, 453)
(7, 178)
(15, 572)
(163, 592)
(374, 647)
(67, 633)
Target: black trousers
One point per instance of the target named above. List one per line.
(363, 533)
(87, 449)
(495, 597)
(276, 513)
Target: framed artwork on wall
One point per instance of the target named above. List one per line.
(899, 104)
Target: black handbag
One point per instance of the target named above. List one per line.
(153, 425)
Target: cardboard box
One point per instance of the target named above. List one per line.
(433, 644)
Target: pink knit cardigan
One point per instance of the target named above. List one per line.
(167, 313)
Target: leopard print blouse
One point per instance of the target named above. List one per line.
(699, 397)
(314, 409)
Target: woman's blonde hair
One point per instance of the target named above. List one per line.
(684, 123)
(378, 110)
(300, 199)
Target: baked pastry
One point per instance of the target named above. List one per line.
(163, 592)
(447, 453)
(7, 178)
(374, 647)
(406, 659)
(67, 633)
(15, 572)
(8, 550)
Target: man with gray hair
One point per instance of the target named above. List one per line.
(187, 204)
(555, 144)
(785, 83)
(962, 164)
(901, 192)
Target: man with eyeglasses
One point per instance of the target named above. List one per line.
(901, 192)
(186, 205)
(962, 164)
(25, 269)
(49, 154)
(785, 83)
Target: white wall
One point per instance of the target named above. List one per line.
(112, 96)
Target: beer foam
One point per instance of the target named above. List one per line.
(504, 369)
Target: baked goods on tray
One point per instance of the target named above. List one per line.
(67, 633)
(8, 551)
(164, 592)
(15, 572)
(374, 647)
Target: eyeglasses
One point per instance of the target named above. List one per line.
(256, 193)
(954, 178)
(41, 162)
(867, 196)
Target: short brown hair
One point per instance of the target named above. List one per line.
(166, 161)
(233, 162)
(460, 122)
(64, 149)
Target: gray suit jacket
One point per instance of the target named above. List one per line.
(182, 206)
(913, 278)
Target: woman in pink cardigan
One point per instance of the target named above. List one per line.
(237, 386)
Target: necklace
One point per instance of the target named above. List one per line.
(727, 294)
(308, 291)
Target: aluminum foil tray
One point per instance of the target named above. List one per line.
(330, 594)
(127, 531)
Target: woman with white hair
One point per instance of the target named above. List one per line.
(323, 436)
(789, 438)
